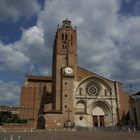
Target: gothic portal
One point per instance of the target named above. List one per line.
(72, 95)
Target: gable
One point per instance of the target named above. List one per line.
(83, 73)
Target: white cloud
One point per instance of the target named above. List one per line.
(95, 20)
(30, 54)
(9, 92)
(108, 43)
(107, 40)
(14, 9)
(33, 45)
(11, 59)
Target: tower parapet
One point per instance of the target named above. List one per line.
(67, 24)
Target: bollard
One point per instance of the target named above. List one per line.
(18, 137)
(4, 134)
(134, 129)
(31, 130)
(129, 130)
(11, 137)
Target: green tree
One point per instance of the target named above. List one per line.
(8, 117)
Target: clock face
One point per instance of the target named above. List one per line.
(68, 70)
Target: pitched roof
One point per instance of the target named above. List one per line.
(80, 68)
(38, 78)
(138, 93)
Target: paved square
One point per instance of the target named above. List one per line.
(70, 135)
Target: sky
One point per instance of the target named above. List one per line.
(108, 33)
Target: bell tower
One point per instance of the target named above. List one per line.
(64, 68)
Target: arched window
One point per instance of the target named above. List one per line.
(65, 46)
(81, 106)
(41, 122)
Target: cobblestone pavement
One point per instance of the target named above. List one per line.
(70, 135)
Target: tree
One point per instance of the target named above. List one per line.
(8, 117)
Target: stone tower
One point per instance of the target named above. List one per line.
(64, 67)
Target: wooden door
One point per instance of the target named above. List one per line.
(95, 120)
(102, 123)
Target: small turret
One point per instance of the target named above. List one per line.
(67, 24)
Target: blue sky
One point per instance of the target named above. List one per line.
(108, 34)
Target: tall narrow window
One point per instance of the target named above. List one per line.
(63, 46)
(62, 36)
(40, 89)
(66, 36)
(71, 40)
(44, 88)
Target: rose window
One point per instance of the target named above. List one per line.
(92, 88)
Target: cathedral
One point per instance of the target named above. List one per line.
(71, 96)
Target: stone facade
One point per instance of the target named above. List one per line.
(72, 95)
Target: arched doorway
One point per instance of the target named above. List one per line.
(98, 116)
(41, 122)
(101, 114)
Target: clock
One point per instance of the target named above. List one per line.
(68, 70)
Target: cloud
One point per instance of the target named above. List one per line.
(137, 8)
(9, 92)
(108, 40)
(18, 8)
(11, 59)
(96, 21)
(129, 51)
(30, 54)
(33, 45)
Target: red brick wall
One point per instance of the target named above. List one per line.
(32, 99)
(124, 102)
(18, 126)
